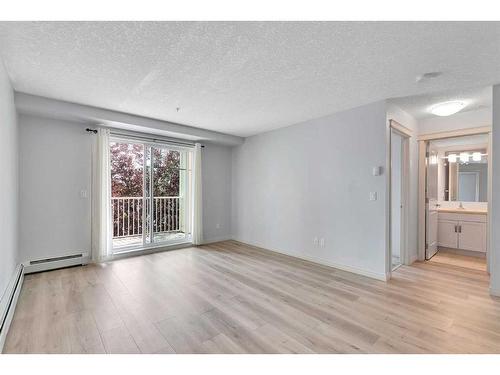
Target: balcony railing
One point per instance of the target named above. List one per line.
(128, 215)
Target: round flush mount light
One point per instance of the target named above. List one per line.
(447, 108)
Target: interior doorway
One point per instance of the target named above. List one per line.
(399, 183)
(457, 186)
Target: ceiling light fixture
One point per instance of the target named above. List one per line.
(447, 108)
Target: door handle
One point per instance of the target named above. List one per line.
(459, 229)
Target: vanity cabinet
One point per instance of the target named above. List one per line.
(462, 231)
(448, 233)
(472, 236)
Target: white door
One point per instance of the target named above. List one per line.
(447, 234)
(432, 202)
(396, 198)
(472, 236)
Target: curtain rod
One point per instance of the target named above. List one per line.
(176, 142)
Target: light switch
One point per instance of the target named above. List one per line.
(373, 195)
(83, 194)
(376, 171)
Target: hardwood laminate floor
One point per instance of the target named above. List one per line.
(460, 260)
(233, 298)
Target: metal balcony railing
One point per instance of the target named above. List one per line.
(127, 214)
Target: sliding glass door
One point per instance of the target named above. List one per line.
(150, 195)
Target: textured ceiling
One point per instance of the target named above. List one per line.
(244, 78)
(419, 106)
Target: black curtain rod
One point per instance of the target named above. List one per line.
(89, 130)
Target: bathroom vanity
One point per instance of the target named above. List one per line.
(463, 229)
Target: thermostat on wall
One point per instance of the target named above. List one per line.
(377, 171)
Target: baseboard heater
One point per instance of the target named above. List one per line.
(8, 303)
(53, 263)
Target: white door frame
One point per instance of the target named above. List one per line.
(422, 140)
(405, 134)
(145, 247)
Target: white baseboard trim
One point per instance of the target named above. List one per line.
(52, 265)
(340, 266)
(413, 259)
(217, 239)
(9, 302)
(495, 292)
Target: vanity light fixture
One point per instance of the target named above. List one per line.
(476, 156)
(452, 158)
(447, 108)
(464, 157)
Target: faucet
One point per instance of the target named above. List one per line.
(461, 206)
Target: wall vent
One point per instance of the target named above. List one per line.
(52, 263)
(8, 303)
(48, 260)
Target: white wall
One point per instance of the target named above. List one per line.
(494, 207)
(8, 182)
(216, 170)
(461, 120)
(55, 165)
(314, 179)
(408, 121)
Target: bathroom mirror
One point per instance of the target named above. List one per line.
(462, 168)
(466, 175)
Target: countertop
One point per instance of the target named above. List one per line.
(463, 211)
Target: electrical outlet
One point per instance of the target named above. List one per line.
(83, 194)
(315, 241)
(321, 242)
(373, 195)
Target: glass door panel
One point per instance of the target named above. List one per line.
(127, 205)
(150, 203)
(147, 195)
(167, 195)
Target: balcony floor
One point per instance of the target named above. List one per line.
(137, 240)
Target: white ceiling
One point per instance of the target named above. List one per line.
(419, 106)
(248, 77)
